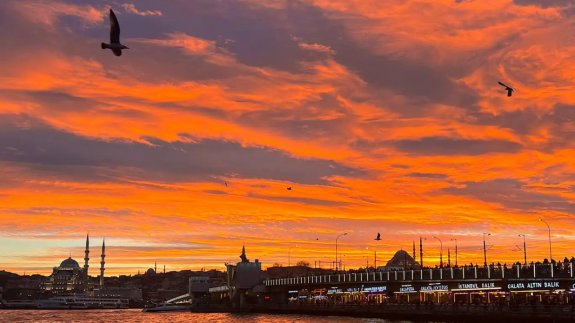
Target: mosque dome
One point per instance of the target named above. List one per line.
(69, 263)
(150, 271)
(401, 260)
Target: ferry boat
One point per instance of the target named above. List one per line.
(18, 304)
(82, 302)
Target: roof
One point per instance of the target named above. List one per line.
(402, 259)
(69, 263)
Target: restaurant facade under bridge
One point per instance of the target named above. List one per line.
(547, 284)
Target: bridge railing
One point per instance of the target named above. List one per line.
(560, 270)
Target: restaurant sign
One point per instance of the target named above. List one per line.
(375, 289)
(476, 286)
(533, 285)
(434, 288)
(407, 289)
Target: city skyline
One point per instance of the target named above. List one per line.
(375, 118)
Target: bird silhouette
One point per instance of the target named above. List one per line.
(378, 237)
(226, 183)
(114, 44)
(289, 188)
(509, 89)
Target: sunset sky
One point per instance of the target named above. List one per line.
(382, 115)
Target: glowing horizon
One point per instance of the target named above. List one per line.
(382, 118)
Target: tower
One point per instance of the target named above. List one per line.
(155, 266)
(243, 256)
(86, 260)
(102, 263)
(164, 268)
(414, 256)
(421, 251)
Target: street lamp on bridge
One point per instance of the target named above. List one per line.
(289, 254)
(336, 239)
(454, 239)
(549, 231)
(485, 249)
(440, 251)
(524, 250)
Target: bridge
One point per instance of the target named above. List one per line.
(442, 285)
(182, 299)
(541, 271)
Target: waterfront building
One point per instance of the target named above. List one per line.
(199, 287)
(26, 287)
(66, 278)
(69, 277)
(245, 280)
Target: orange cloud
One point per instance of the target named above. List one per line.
(392, 117)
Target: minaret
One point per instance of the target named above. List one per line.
(414, 256)
(86, 260)
(164, 268)
(102, 263)
(421, 252)
(155, 267)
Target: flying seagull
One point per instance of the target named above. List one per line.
(289, 188)
(114, 44)
(226, 183)
(509, 89)
(378, 237)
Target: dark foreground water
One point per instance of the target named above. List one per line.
(139, 316)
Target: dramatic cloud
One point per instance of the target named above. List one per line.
(449, 146)
(544, 3)
(380, 117)
(131, 8)
(26, 141)
(513, 194)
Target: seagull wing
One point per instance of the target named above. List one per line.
(502, 84)
(114, 29)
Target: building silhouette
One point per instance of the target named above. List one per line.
(69, 277)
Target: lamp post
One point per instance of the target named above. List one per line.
(289, 255)
(374, 258)
(524, 250)
(549, 231)
(485, 249)
(440, 252)
(455, 250)
(339, 236)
